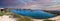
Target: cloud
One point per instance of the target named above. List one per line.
(28, 3)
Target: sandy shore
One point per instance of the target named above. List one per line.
(6, 18)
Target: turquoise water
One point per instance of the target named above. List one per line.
(37, 14)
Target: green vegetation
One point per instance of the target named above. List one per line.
(13, 15)
(47, 20)
(21, 18)
(2, 13)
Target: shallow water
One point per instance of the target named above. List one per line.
(38, 14)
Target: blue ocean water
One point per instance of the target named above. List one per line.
(37, 14)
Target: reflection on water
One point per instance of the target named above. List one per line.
(38, 14)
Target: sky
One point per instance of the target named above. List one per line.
(31, 4)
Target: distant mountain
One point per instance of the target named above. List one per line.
(53, 11)
(57, 8)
